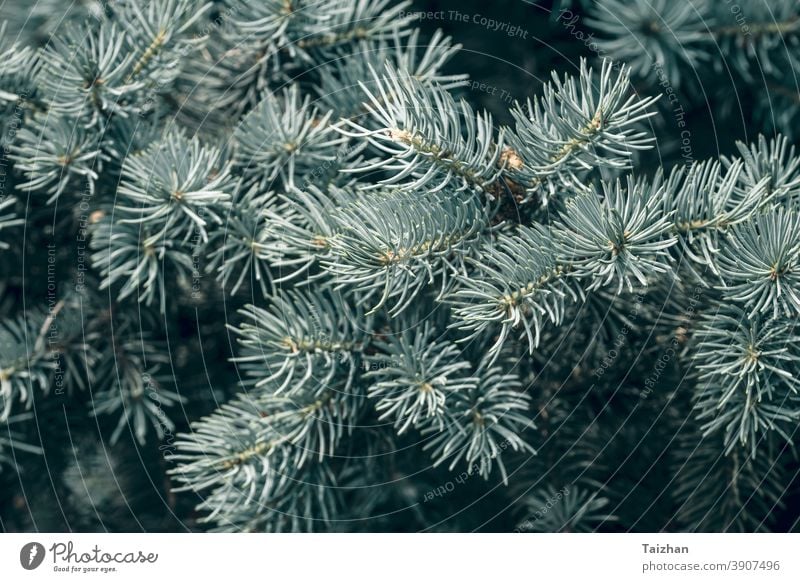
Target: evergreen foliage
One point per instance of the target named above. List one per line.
(277, 266)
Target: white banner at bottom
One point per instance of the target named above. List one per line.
(399, 557)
